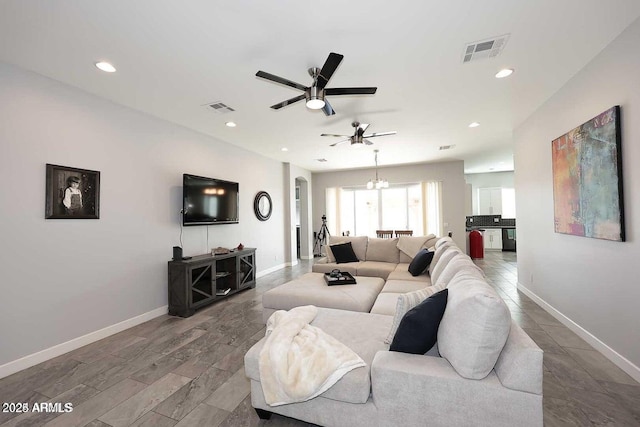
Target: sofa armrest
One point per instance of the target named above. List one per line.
(411, 389)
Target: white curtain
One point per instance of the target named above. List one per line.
(433, 207)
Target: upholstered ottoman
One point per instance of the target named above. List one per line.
(311, 289)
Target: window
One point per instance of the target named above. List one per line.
(400, 207)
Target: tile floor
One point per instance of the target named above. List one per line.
(189, 372)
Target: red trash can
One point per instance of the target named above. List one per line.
(476, 245)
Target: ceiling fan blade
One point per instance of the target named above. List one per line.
(364, 126)
(280, 80)
(379, 134)
(367, 142)
(328, 110)
(333, 134)
(350, 91)
(339, 142)
(328, 69)
(287, 102)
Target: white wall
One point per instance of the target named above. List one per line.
(450, 173)
(592, 283)
(62, 279)
(487, 180)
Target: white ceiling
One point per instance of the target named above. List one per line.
(173, 57)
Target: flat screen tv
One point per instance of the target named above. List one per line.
(207, 201)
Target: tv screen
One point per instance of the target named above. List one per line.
(208, 201)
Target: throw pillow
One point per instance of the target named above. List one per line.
(418, 330)
(344, 253)
(420, 262)
(475, 326)
(406, 302)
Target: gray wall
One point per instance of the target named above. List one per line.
(591, 285)
(62, 279)
(450, 173)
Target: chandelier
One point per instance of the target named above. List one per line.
(378, 183)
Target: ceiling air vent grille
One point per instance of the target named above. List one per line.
(489, 48)
(219, 107)
(446, 147)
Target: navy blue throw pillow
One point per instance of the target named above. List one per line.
(343, 253)
(420, 262)
(418, 330)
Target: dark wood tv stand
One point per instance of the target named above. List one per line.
(204, 279)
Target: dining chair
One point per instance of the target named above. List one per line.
(404, 233)
(384, 234)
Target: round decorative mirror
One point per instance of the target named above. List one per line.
(262, 205)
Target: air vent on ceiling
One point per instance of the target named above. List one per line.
(219, 107)
(489, 48)
(321, 160)
(446, 147)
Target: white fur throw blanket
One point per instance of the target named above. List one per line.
(298, 361)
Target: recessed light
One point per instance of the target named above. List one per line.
(230, 124)
(505, 72)
(284, 149)
(106, 67)
(474, 125)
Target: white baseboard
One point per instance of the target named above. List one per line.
(55, 351)
(307, 257)
(615, 357)
(270, 270)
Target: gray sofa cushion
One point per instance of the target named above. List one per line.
(385, 250)
(386, 304)
(447, 255)
(457, 263)
(403, 286)
(349, 328)
(359, 244)
(439, 251)
(401, 272)
(475, 326)
(375, 269)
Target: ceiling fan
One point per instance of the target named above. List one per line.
(315, 94)
(358, 136)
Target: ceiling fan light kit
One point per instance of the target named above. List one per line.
(315, 98)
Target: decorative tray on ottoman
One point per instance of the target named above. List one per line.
(343, 278)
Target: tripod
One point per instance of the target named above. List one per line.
(321, 238)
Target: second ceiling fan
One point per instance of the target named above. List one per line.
(315, 94)
(358, 136)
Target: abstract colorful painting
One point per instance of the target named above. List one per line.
(587, 179)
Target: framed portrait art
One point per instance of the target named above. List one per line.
(72, 193)
(587, 179)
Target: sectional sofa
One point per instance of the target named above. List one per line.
(388, 259)
(483, 371)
